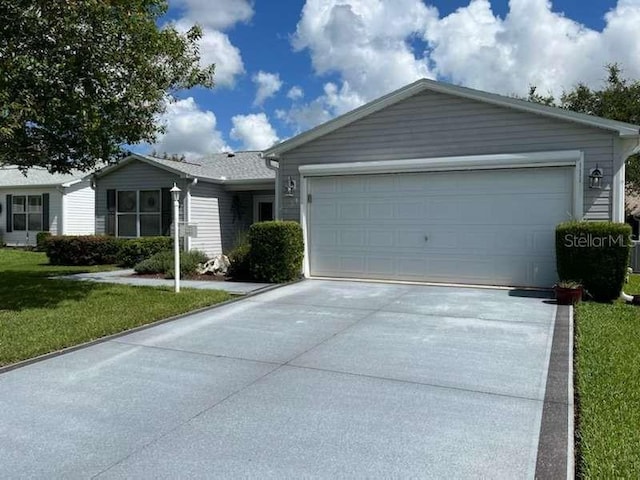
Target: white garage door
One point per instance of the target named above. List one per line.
(491, 227)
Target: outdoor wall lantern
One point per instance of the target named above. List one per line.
(595, 178)
(290, 187)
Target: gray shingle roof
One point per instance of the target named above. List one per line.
(11, 176)
(220, 166)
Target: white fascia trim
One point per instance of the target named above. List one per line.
(72, 183)
(304, 221)
(475, 162)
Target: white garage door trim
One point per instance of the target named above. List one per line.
(564, 158)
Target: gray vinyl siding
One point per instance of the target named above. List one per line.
(21, 238)
(79, 209)
(236, 219)
(206, 214)
(219, 222)
(133, 176)
(432, 124)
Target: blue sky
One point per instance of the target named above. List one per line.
(339, 54)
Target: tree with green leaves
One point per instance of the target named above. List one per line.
(619, 99)
(82, 78)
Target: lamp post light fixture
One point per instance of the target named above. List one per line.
(175, 193)
(595, 178)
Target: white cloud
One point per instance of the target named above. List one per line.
(372, 47)
(295, 93)
(254, 131)
(214, 16)
(531, 45)
(366, 42)
(190, 131)
(268, 84)
(216, 48)
(217, 14)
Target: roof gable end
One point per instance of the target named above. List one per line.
(623, 129)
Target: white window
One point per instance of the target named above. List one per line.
(263, 208)
(138, 213)
(27, 213)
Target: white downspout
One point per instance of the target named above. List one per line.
(268, 162)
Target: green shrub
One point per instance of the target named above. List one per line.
(239, 262)
(595, 254)
(82, 250)
(41, 241)
(276, 252)
(135, 250)
(162, 263)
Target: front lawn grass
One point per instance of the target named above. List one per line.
(40, 315)
(608, 387)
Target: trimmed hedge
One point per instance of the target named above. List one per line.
(595, 254)
(134, 250)
(82, 250)
(162, 262)
(276, 252)
(41, 241)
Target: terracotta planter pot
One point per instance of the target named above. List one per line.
(568, 296)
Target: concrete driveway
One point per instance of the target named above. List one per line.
(316, 379)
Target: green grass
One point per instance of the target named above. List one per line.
(608, 386)
(40, 315)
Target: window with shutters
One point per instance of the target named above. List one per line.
(138, 213)
(27, 213)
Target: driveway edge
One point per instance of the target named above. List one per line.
(80, 346)
(556, 442)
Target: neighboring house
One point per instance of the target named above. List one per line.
(632, 213)
(440, 183)
(39, 201)
(222, 195)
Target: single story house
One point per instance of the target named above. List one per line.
(39, 201)
(222, 195)
(440, 183)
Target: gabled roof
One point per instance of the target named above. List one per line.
(12, 176)
(623, 129)
(218, 168)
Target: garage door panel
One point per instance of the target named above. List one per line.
(484, 227)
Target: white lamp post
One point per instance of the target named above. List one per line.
(175, 192)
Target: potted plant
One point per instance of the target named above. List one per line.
(568, 292)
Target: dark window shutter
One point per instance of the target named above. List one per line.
(9, 213)
(166, 211)
(110, 226)
(45, 212)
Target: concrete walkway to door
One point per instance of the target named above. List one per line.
(316, 379)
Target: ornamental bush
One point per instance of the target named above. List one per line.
(595, 254)
(134, 250)
(162, 263)
(276, 252)
(82, 250)
(239, 268)
(41, 241)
